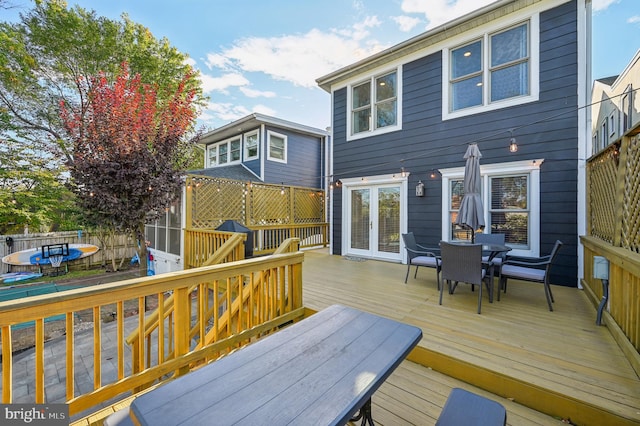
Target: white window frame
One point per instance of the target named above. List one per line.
(530, 167)
(612, 124)
(534, 70)
(372, 130)
(245, 153)
(278, 135)
(217, 146)
(605, 135)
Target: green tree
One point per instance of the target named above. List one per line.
(53, 54)
(33, 193)
(131, 147)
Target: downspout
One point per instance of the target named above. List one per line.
(584, 123)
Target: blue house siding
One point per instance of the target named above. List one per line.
(547, 128)
(304, 160)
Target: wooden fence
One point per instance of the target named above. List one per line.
(613, 225)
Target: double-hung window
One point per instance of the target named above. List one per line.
(227, 152)
(277, 147)
(251, 146)
(511, 199)
(374, 105)
(494, 70)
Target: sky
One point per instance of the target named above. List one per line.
(264, 56)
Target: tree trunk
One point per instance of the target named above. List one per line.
(138, 235)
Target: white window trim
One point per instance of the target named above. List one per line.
(216, 147)
(534, 72)
(382, 130)
(604, 133)
(245, 156)
(286, 144)
(612, 124)
(532, 167)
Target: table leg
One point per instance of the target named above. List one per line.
(364, 414)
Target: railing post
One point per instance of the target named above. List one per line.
(182, 324)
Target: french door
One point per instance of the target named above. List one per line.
(374, 221)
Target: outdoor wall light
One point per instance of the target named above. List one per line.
(420, 189)
(513, 146)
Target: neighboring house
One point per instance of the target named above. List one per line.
(616, 105)
(403, 118)
(256, 148)
(267, 149)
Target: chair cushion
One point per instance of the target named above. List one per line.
(521, 272)
(429, 261)
(496, 260)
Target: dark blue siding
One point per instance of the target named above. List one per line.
(304, 160)
(545, 129)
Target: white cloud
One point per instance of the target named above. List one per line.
(361, 29)
(227, 112)
(215, 60)
(440, 11)
(301, 58)
(252, 93)
(634, 19)
(224, 111)
(599, 5)
(263, 109)
(190, 61)
(222, 83)
(406, 23)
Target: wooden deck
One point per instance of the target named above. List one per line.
(542, 366)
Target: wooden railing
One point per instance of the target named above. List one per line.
(265, 293)
(613, 225)
(266, 239)
(200, 244)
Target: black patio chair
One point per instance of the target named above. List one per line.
(419, 255)
(463, 263)
(492, 239)
(534, 270)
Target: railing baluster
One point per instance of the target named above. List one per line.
(39, 361)
(7, 367)
(70, 358)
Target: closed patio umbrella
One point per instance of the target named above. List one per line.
(471, 213)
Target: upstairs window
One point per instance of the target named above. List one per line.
(251, 146)
(277, 147)
(223, 153)
(374, 105)
(492, 71)
(509, 70)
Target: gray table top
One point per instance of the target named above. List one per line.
(321, 370)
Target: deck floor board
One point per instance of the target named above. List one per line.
(563, 351)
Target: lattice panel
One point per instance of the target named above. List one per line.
(603, 175)
(270, 205)
(216, 200)
(308, 206)
(630, 236)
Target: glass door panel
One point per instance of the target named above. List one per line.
(360, 219)
(389, 220)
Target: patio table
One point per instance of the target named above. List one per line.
(321, 370)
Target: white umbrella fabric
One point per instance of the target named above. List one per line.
(471, 213)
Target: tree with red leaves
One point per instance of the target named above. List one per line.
(130, 150)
